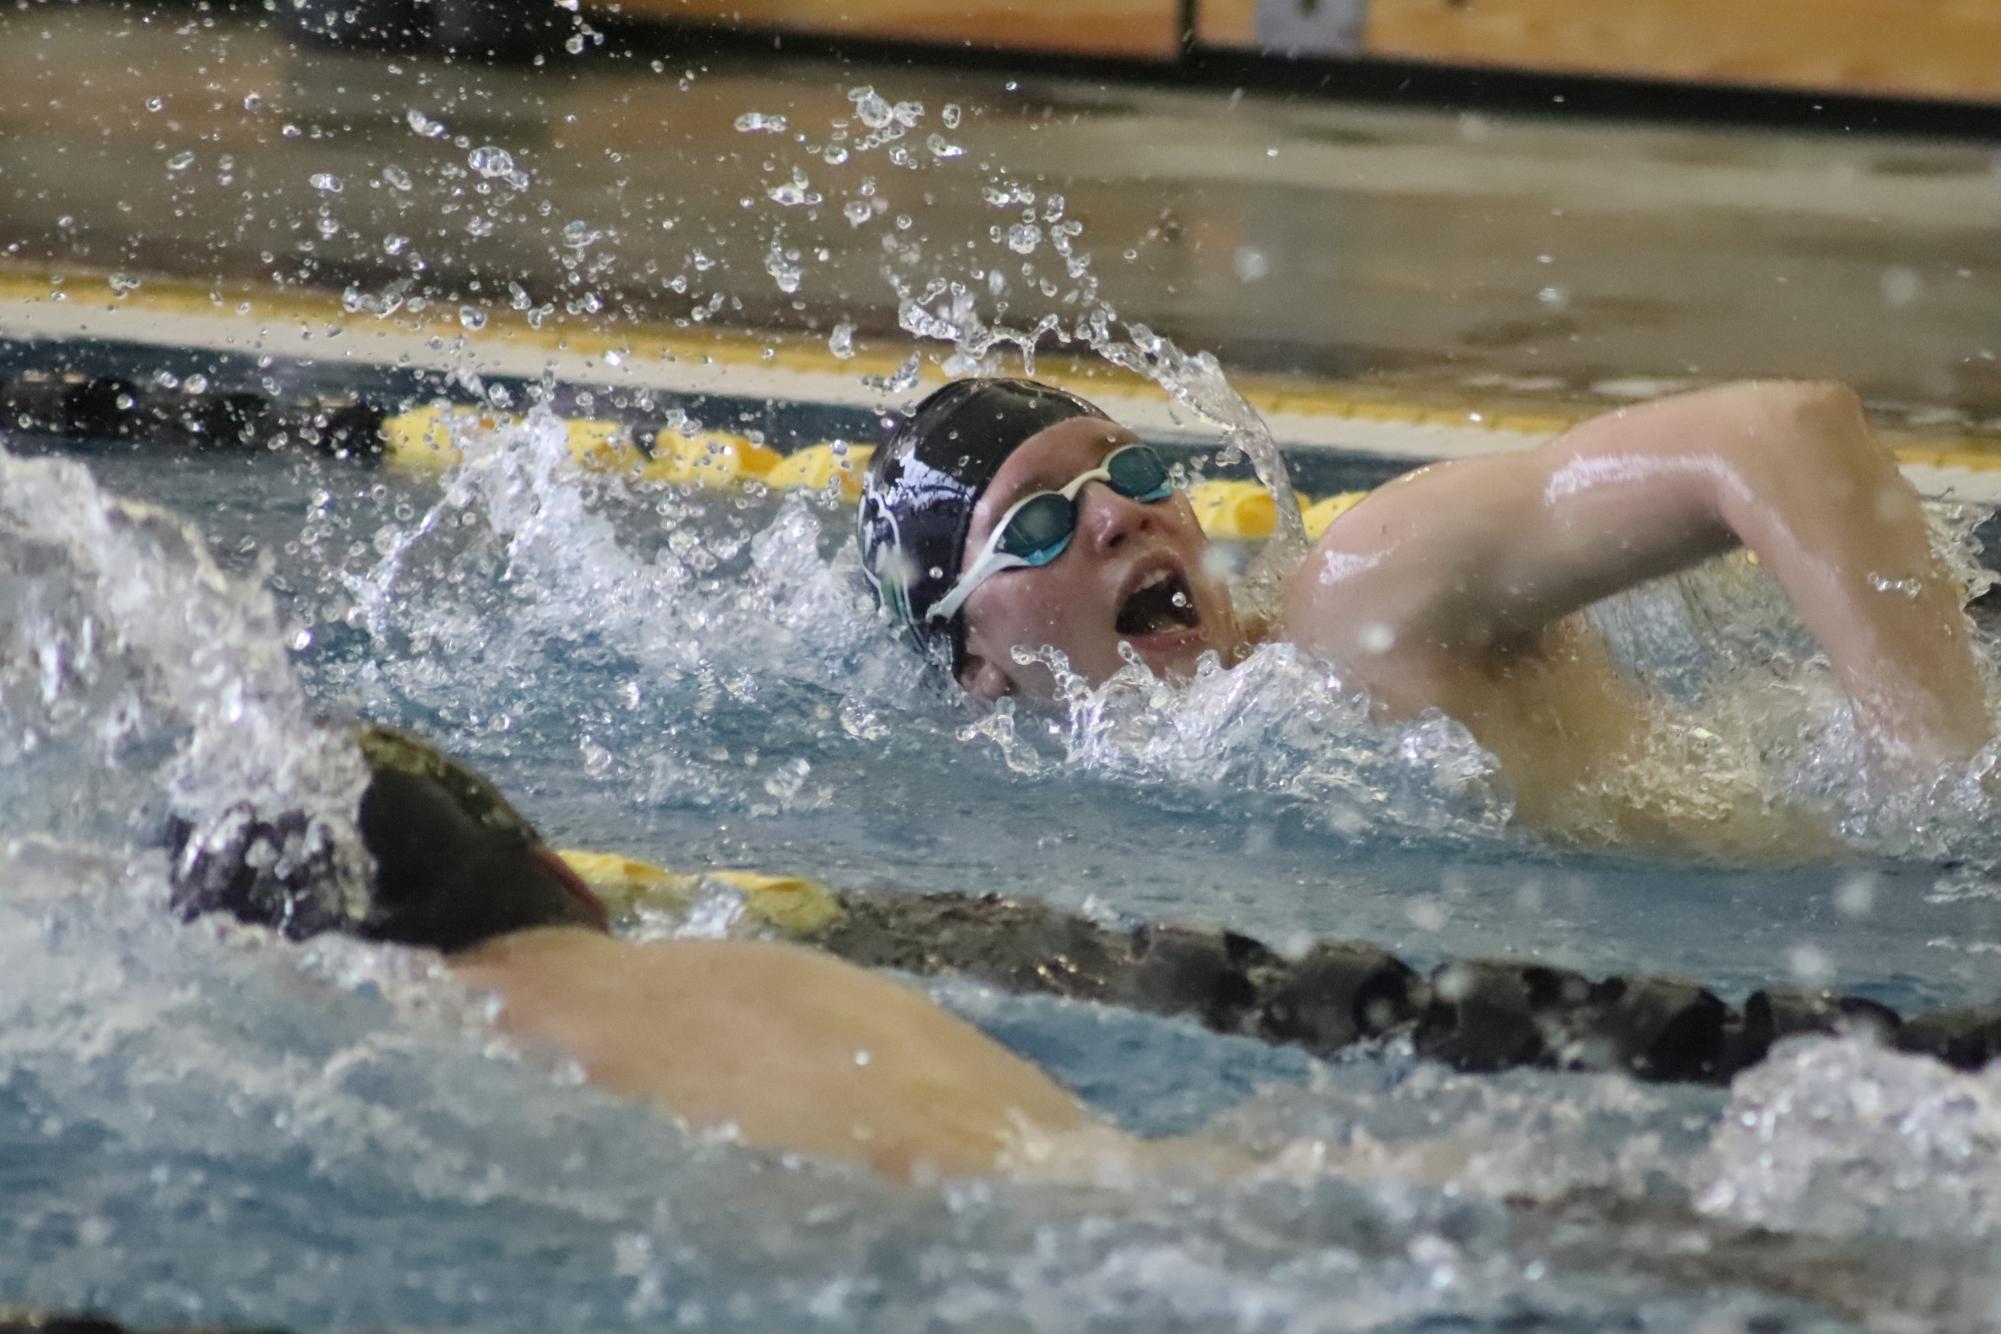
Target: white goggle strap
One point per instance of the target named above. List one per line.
(992, 560)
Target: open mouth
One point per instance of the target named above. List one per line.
(1162, 603)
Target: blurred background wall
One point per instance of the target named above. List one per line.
(1908, 48)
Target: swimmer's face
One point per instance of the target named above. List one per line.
(1134, 573)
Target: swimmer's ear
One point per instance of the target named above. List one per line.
(983, 678)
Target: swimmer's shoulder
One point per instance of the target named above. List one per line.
(1349, 594)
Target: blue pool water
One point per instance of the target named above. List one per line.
(198, 1123)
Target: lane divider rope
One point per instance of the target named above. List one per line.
(1477, 1015)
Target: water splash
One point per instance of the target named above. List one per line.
(135, 675)
(524, 551)
(1197, 382)
(1843, 1136)
(1278, 725)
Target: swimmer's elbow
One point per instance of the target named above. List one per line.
(1815, 402)
(1791, 418)
(1776, 432)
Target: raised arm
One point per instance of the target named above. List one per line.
(1481, 554)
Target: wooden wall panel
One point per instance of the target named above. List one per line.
(1929, 48)
(1129, 28)
(1227, 23)
(1924, 48)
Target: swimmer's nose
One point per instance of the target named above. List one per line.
(1109, 518)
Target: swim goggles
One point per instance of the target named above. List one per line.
(1037, 528)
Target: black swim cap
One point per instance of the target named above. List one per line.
(455, 864)
(917, 501)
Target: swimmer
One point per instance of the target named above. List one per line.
(790, 1049)
(784, 1047)
(1006, 515)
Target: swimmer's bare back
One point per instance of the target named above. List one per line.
(1456, 587)
(786, 1048)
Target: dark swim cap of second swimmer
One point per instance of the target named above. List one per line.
(917, 502)
(455, 864)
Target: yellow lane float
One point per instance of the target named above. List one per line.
(424, 438)
(789, 904)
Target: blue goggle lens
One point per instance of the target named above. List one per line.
(1139, 474)
(1041, 529)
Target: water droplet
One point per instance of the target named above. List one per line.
(940, 148)
(472, 317)
(252, 101)
(1556, 298)
(397, 178)
(949, 113)
(490, 161)
(794, 192)
(1855, 897)
(782, 268)
(788, 780)
(1023, 237)
(1426, 914)
(841, 342)
(154, 103)
(1252, 266)
(579, 234)
(326, 182)
(1810, 965)
(900, 381)
(834, 155)
(394, 245)
(181, 161)
(424, 125)
(1907, 588)
(870, 106)
(574, 44)
(757, 122)
(857, 212)
(1901, 286)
